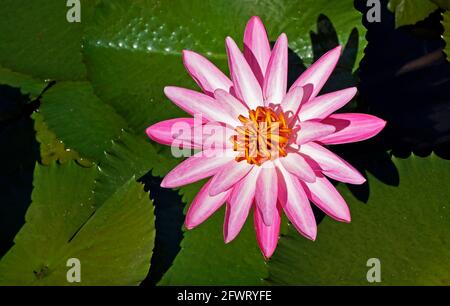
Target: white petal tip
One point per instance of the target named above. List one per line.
(337, 49)
(168, 90)
(189, 226)
(227, 240)
(167, 183)
(347, 219)
(149, 132)
(311, 236)
(164, 185)
(358, 181)
(228, 237)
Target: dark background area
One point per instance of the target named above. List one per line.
(403, 78)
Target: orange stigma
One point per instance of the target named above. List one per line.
(262, 137)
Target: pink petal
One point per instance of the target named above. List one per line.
(275, 82)
(194, 169)
(352, 128)
(297, 165)
(267, 235)
(205, 73)
(295, 203)
(332, 165)
(267, 192)
(239, 204)
(204, 206)
(232, 105)
(292, 101)
(322, 106)
(312, 130)
(166, 132)
(246, 86)
(187, 133)
(212, 136)
(319, 72)
(327, 198)
(256, 47)
(196, 103)
(229, 175)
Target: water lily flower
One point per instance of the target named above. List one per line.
(276, 159)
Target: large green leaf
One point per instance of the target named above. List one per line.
(27, 84)
(405, 227)
(38, 41)
(129, 156)
(446, 35)
(80, 119)
(113, 243)
(133, 48)
(445, 4)
(408, 12)
(51, 148)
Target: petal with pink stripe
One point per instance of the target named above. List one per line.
(239, 204)
(267, 235)
(204, 205)
(205, 73)
(256, 48)
(332, 165)
(327, 198)
(352, 128)
(245, 83)
(319, 72)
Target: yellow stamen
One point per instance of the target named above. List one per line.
(262, 137)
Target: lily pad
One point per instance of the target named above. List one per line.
(80, 119)
(446, 36)
(409, 12)
(405, 227)
(63, 223)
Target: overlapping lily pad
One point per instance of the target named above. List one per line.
(113, 243)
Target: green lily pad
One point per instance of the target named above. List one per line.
(445, 4)
(408, 12)
(112, 243)
(27, 84)
(51, 148)
(405, 227)
(129, 156)
(38, 41)
(446, 35)
(80, 119)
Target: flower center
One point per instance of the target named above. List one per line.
(262, 137)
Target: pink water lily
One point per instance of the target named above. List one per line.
(275, 160)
